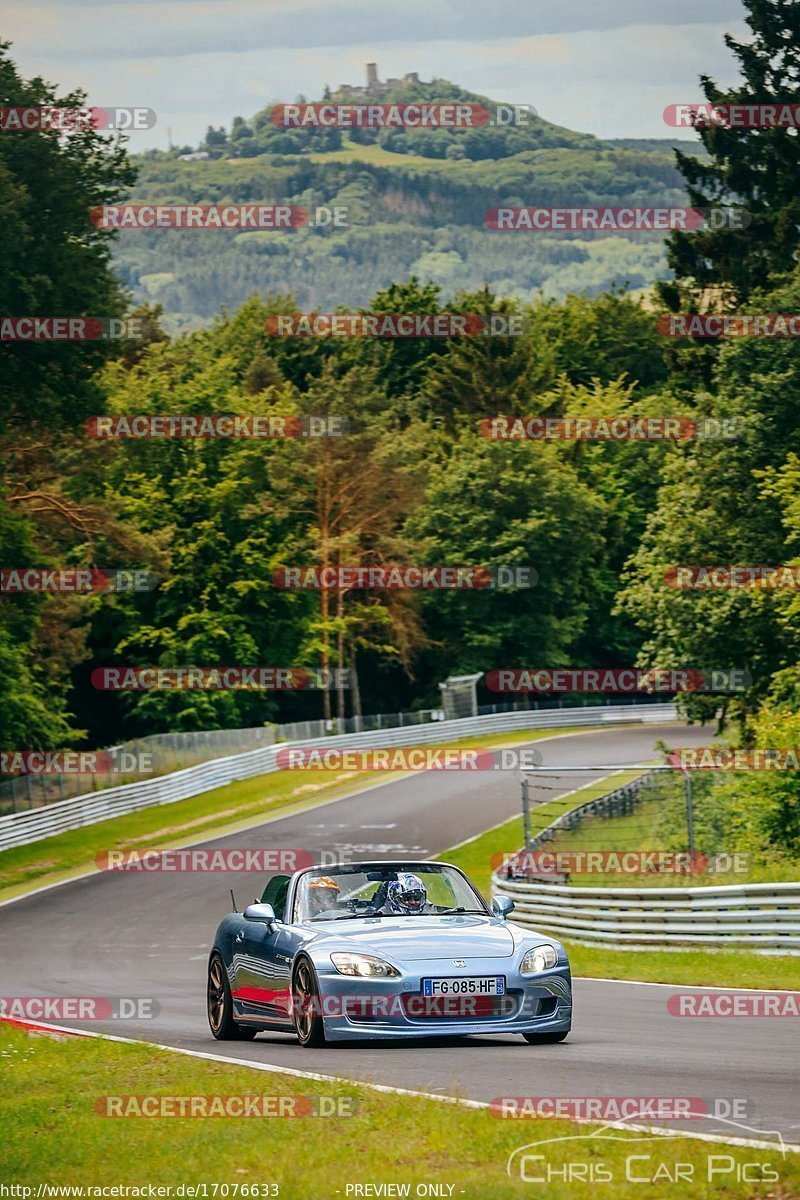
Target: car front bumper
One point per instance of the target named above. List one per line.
(355, 1009)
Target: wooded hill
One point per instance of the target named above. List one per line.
(416, 204)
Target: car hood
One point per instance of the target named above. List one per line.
(417, 938)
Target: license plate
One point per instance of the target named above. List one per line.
(465, 985)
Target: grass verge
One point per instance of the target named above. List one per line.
(224, 810)
(356, 152)
(643, 830)
(53, 1134)
(476, 856)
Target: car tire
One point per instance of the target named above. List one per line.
(308, 1025)
(541, 1039)
(219, 1005)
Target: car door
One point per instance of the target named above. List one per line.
(263, 970)
(265, 957)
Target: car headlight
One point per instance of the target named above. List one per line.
(363, 964)
(541, 958)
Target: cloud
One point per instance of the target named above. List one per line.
(614, 82)
(143, 28)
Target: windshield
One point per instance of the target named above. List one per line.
(396, 890)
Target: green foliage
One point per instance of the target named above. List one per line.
(413, 481)
(31, 716)
(755, 168)
(407, 215)
(55, 262)
(729, 502)
(756, 812)
(497, 504)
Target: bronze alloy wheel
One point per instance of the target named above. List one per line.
(219, 1004)
(216, 995)
(305, 995)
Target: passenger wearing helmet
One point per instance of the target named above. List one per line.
(323, 893)
(405, 895)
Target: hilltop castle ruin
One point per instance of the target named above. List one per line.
(374, 88)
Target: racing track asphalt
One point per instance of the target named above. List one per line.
(148, 935)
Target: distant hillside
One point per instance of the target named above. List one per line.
(660, 145)
(416, 204)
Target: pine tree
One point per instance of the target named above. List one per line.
(757, 168)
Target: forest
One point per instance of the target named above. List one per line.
(415, 202)
(413, 479)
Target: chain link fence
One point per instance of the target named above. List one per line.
(162, 753)
(662, 812)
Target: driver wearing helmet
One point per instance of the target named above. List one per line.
(323, 894)
(406, 894)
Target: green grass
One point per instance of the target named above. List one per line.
(720, 968)
(640, 831)
(53, 1134)
(349, 152)
(479, 856)
(715, 968)
(377, 155)
(222, 810)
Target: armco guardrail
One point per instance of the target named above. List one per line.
(18, 829)
(758, 916)
(165, 753)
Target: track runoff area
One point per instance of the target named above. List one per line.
(145, 936)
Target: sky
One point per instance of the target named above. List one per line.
(607, 67)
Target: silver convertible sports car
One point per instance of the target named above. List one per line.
(384, 949)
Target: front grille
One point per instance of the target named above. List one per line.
(542, 1007)
(457, 1008)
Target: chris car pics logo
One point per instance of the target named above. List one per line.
(617, 1153)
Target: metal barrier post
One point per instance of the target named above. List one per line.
(526, 813)
(687, 779)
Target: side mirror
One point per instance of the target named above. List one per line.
(264, 913)
(501, 906)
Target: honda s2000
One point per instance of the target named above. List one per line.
(384, 949)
